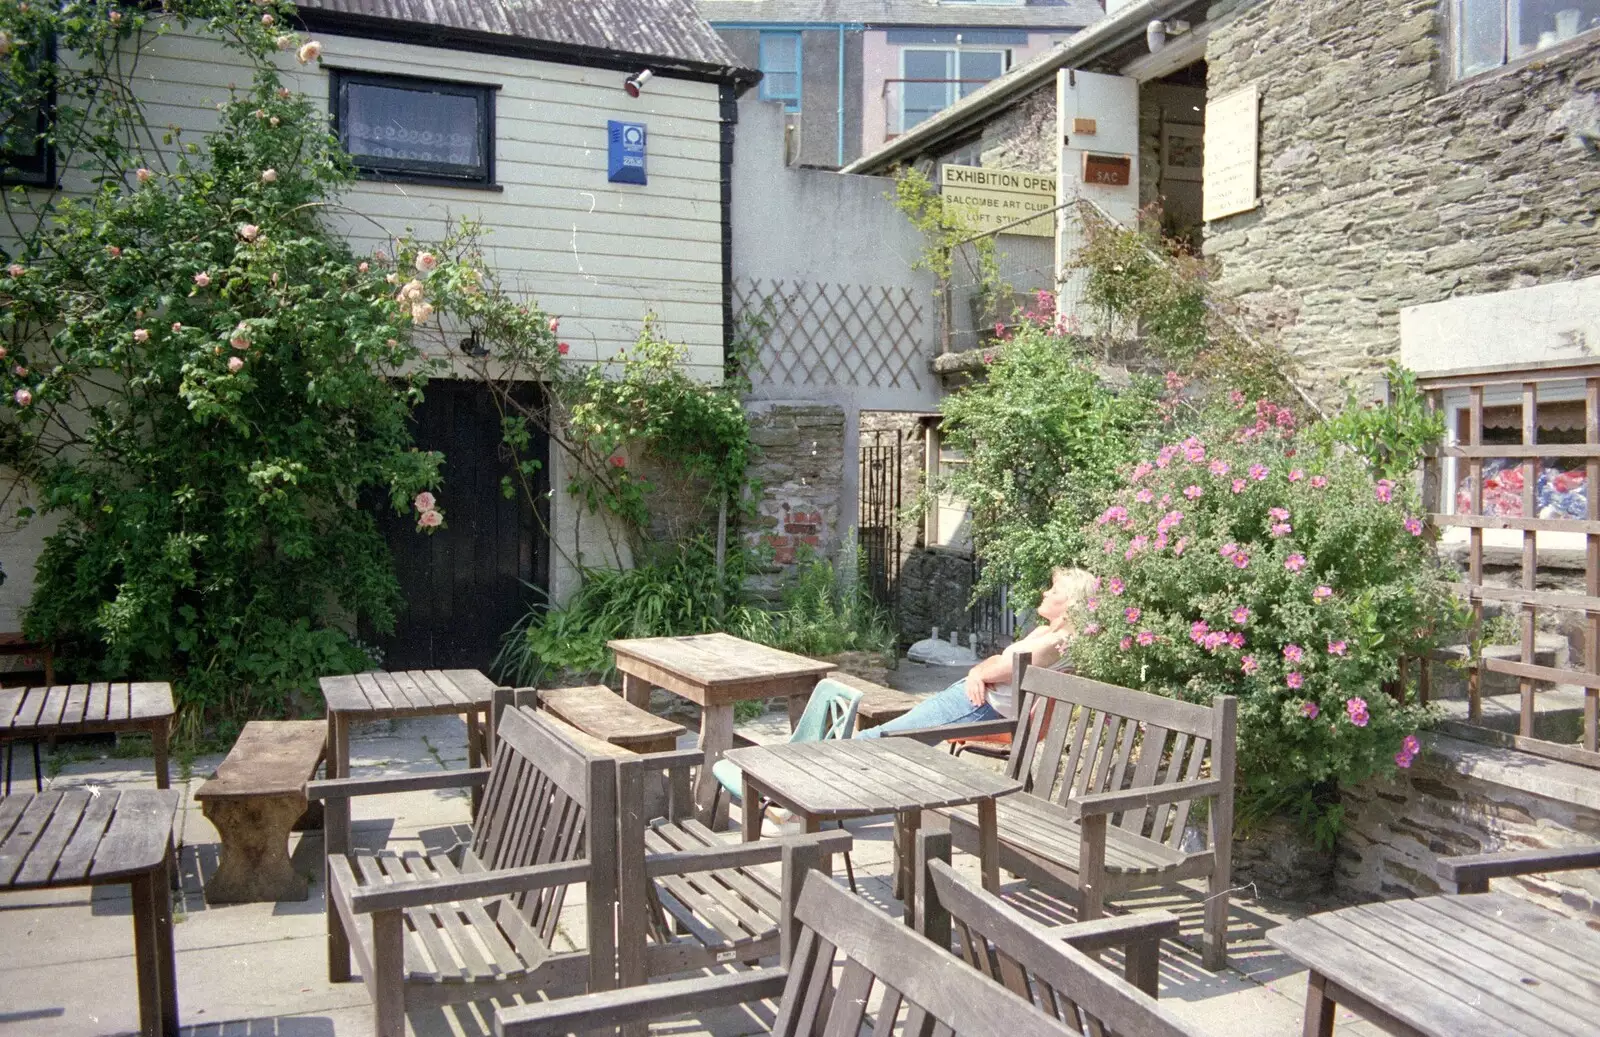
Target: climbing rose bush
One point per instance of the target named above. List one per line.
(1240, 563)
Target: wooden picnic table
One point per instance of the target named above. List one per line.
(381, 695)
(1446, 966)
(843, 778)
(67, 710)
(84, 837)
(715, 671)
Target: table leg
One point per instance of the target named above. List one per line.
(813, 825)
(906, 825)
(989, 845)
(160, 733)
(750, 807)
(716, 738)
(338, 745)
(636, 690)
(475, 732)
(1319, 1007)
(797, 708)
(153, 954)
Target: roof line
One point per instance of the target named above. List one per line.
(1094, 41)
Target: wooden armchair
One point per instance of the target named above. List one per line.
(919, 989)
(1471, 874)
(1053, 966)
(691, 898)
(1110, 777)
(478, 923)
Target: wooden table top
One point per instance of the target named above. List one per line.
(1482, 963)
(404, 693)
(866, 777)
(717, 669)
(76, 837)
(269, 758)
(64, 706)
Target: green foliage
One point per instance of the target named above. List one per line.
(948, 226)
(1391, 437)
(825, 612)
(201, 383)
(1043, 437)
(1234, 565)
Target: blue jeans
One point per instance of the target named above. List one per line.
(950, 706)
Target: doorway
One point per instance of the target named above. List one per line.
(467, 584)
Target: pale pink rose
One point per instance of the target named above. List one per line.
(143, 175)
(424, 501)
(176, 326)
(310, 52)
(269, 176)
(283, 91)
(235, 364)
(16, 270)
(421, 312)
(114, 252)
(267, 19)
(364, 267)
(202, 279)
(116, 17)
(285, 42)
(23, 397)
(273, 120)
(141, 335)
(249, 231)
(410, 292)
(426, 261)
(241, 338)
(555, 325)
(430, 520)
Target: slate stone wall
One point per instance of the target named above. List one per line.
(1385, 184)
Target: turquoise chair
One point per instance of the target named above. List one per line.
(830, 713)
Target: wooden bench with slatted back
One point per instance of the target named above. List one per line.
(440, 928)
(1111, 776)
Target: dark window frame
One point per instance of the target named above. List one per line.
(40, 167)
(410, 171)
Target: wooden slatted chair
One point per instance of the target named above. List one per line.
(1110, 777)
(691, 898)
(892, 980)
(478, 923)
(1050, 966)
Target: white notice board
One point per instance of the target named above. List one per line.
(1232, 144)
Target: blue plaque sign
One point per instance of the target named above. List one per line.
(627, 140)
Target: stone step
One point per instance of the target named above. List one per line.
(1557, 717)
(1450, 680)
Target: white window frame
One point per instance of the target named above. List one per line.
(1511, 11)
(953, 71)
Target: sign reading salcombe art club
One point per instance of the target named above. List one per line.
(999, 196)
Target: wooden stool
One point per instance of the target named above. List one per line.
(601, 712)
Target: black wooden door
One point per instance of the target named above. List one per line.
(466, 584)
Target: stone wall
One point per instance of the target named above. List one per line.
(801, 471)
(1385, 184)
(935, 587)
(1461, 798)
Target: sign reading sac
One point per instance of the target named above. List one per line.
(998, 196)
(1108, 170)
(626, 152)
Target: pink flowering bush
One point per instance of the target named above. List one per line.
(1298, 589)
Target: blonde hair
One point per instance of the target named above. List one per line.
(1077, 584)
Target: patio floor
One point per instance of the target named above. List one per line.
(259, 970)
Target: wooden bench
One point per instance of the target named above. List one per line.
(1051, 966)
(1110, 776)
(879, 704)
(921, 993)
(601, 712)
(257, 796)
(480, 922)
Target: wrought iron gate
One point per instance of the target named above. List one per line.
(878, 522)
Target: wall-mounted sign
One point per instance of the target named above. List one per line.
(626, 142)
(1231, 145)
(998, 196)
(1108, 170)
(1084, 127)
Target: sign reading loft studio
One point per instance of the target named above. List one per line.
(625, 157)
(999, 196)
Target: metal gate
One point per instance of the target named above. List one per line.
(878, 521)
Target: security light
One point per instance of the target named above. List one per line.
(635, 83)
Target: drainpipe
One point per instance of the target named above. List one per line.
(840, 116)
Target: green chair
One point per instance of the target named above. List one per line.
(830, 713)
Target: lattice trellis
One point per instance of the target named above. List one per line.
(835, 334)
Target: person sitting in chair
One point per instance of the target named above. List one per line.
(985, 693)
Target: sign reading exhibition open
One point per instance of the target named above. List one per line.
(999, 196)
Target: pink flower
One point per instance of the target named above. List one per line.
(143, 175)
(1295, 562)
(1240, 615)
(235, 364)
(1144, 496)
(1356, 709)
(141, 335)
(1249, 665)
(16, 270)
(1310, 710)
(1236, 397)
(1235, 640)
(618, 461)
(1281, 529)
(1165, 456)
(1146, 638)
(1193, 492)
(1336, 647)
(1091, 629)
(309, 52)
(1220, 467)
(562, 348)
(1286, 419)
(1294, 679)
(430, 519)
(1137, 544)
(1409, 744)
(1238, 486)
(1319, 482)
(20, 371)
(176, 327)
(269, 176)
(1322, 593)
(1198, 630)
(1228, 550)
(1241, 561)
(23, 397)
(1294, 653)
(1258, 472)
(1384, 490)
(249, 231)
(426, 261)
(1278, 514)
(241, 338)
(1414, 526)
(555, 325)
(1140, 470)
(424, 501)
(1403, 759)
(1125, 644)
(1182, 543)
(1295, 474)
(1115, 513)
(202, 279)
(1115, 585)
(364, 266)
(1131, 614)
(1170, 521)
(1214, 640)
(114, 252)
(1109, 547)
(1092, 604)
